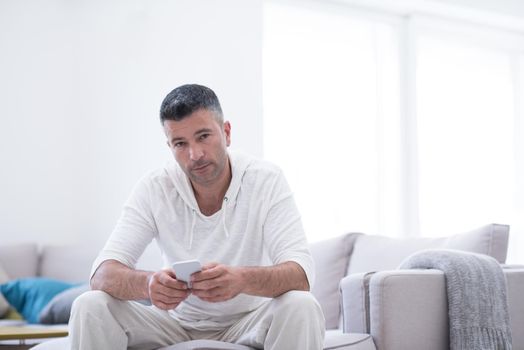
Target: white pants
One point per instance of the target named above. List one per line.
(293, 320)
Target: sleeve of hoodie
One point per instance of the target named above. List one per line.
(284, 233)
(134, 230)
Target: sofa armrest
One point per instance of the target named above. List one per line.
(406, 309)
(409, 310)
(515, 282)
(354, 290)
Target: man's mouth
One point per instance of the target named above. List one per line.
(200, 167)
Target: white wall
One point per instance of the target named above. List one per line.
(81, 83)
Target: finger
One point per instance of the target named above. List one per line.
(208, 293)
(210, 273)
(209, 266)
(205, 285)
(165, 306)
(159, 288)
(216, 299)
(168, 299)
(168, 279)
(169, 292)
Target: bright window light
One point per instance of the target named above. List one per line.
(465, 113)
(400, 126)
(330, 88)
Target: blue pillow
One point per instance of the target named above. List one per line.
(59, 308)
(30, 295)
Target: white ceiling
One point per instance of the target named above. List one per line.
(506, 7)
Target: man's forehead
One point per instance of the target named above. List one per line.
(190, 125)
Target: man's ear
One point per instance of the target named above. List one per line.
(227, 132)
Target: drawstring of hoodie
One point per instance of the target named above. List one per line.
(192, 229)
(224, 213)
(193, 221)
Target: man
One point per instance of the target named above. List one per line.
(234, 213)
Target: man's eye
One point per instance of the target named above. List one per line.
(179, 144)
(204, 136)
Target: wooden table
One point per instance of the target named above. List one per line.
(28, 332)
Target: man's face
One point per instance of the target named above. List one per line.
(199, 143)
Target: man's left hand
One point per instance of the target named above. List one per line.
(217, 282)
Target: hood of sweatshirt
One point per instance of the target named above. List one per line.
(182, 184)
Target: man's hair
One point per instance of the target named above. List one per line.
(187, 99)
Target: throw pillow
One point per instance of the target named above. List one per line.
(4, 305)
(59, 308)
(377, 253)
(331, 260)
(30, 295)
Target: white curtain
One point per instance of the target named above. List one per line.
(391, 125)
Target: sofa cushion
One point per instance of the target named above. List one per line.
(331, 260)
(4, 305)
(59, 308)
(79, 260)
(376, 253)
(30, 295)
(19, 260)
(206, 345)
(335, 339)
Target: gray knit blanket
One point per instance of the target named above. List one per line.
(477, 302)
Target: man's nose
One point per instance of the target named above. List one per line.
(195, 152)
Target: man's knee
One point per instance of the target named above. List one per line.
(299, 302)
(296, 314)
(94, 302)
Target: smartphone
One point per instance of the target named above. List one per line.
(184, 270)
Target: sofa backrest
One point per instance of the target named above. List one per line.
(69, 263)
(66, 263)
(334, 259)
(377, 253)
(19, 260)
(331, 258)
(357, 252)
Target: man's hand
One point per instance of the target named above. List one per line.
(217, 282)
(165, 291)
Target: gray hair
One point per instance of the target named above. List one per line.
(186, 99)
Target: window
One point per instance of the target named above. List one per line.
(465, 119)
(330, 92)
(394, 125)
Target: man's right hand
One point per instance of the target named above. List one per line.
(165, 291)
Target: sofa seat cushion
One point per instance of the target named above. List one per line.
(336, 340)
(206, 344)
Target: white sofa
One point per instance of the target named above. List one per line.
(367, 302)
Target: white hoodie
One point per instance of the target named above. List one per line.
(258, 225)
